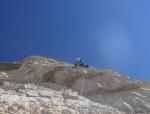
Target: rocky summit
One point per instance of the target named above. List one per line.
(39, 85)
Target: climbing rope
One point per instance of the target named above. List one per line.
(83, 80)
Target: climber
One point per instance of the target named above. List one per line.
(79, 63)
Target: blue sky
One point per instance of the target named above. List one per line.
(108, 34)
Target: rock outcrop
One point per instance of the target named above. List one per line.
(46, 86)
(9, 66)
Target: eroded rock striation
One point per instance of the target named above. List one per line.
(46, 86)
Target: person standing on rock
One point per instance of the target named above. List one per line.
(79, 63)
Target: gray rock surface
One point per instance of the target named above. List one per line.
(47, 86)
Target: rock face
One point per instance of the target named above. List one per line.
(46, 86)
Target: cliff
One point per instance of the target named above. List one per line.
(45, 86)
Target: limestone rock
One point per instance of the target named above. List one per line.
(46, 86)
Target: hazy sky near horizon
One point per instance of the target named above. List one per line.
(108, 34)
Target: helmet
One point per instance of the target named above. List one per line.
(78, 59)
